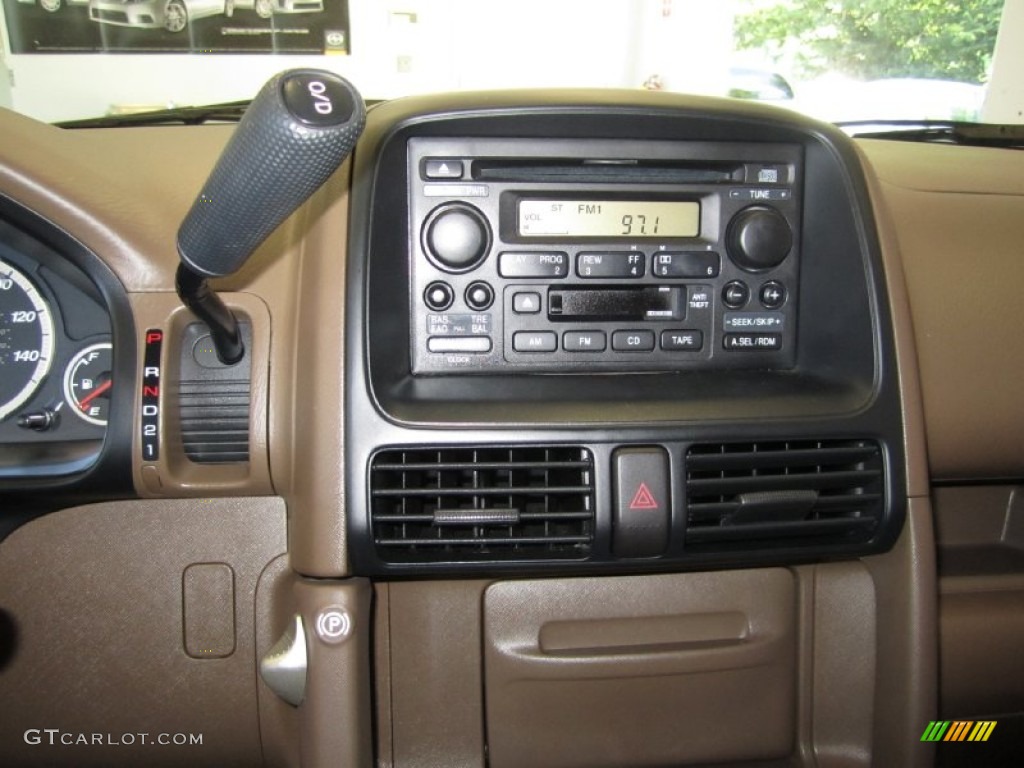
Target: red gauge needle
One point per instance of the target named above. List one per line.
(84, 402)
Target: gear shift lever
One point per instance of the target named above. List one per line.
(300, 127)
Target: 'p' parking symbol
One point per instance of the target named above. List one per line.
(333, 624)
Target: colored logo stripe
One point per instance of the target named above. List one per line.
(982, 730)
(958, 730)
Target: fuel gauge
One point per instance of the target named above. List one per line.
(88, 382)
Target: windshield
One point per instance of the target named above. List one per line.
(837, 60)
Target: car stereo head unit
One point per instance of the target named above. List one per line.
(533, 255)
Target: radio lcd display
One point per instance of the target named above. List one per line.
(608, 218)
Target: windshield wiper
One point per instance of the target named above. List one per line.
(939, 131)
(229, 112)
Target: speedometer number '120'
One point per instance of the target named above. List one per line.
(26, 339)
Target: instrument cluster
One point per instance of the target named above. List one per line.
(56, 360)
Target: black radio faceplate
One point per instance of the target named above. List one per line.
(562, 256)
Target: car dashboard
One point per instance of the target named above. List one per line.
(574, 428)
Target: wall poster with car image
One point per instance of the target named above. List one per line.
(185, 26)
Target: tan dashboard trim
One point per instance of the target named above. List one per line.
(90, 182)
(173, 474)
(915, 446)
(307, 384)
(950, 203)
(96, 596)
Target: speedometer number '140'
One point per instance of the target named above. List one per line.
(26, 339)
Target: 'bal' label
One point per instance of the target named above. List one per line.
(151, 395)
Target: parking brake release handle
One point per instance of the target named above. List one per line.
(296, 132)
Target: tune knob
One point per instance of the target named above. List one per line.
(758, 238)
(456, 236)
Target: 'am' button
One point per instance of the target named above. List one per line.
(534, 341)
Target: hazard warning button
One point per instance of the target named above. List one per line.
(642, 511)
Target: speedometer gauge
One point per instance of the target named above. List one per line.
(26, 339)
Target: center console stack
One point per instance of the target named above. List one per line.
(609, 338)
(558, 255)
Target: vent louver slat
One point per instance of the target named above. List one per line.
(482, 504)
(783, 494)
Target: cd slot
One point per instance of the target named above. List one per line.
(606, 171)
(614, 303)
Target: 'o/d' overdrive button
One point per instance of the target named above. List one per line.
(456, 236)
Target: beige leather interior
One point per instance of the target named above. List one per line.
(151, 614)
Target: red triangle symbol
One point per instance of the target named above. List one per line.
(643, 499)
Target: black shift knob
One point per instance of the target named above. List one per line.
(300, 127)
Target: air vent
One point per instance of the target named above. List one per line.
(482, 504)
(783, 494)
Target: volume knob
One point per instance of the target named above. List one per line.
(456, 236)
(758, 238)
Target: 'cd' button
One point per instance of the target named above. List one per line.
(735, 294)
(633, 341)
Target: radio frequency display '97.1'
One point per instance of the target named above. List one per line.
(535, 255)
(602, 219)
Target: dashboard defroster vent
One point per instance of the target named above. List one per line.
(482, 504)
(796, 494)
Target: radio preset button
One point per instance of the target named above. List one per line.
(773, 294)
(534, 341)
(688, 264)
(621, 264)
(682, 341)
(439, 296)
(735, 294)
(533, 264)
(479, 296)
(457, 237)
(526, 303)
(770, 342)
(633, 341)
(584, 341)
